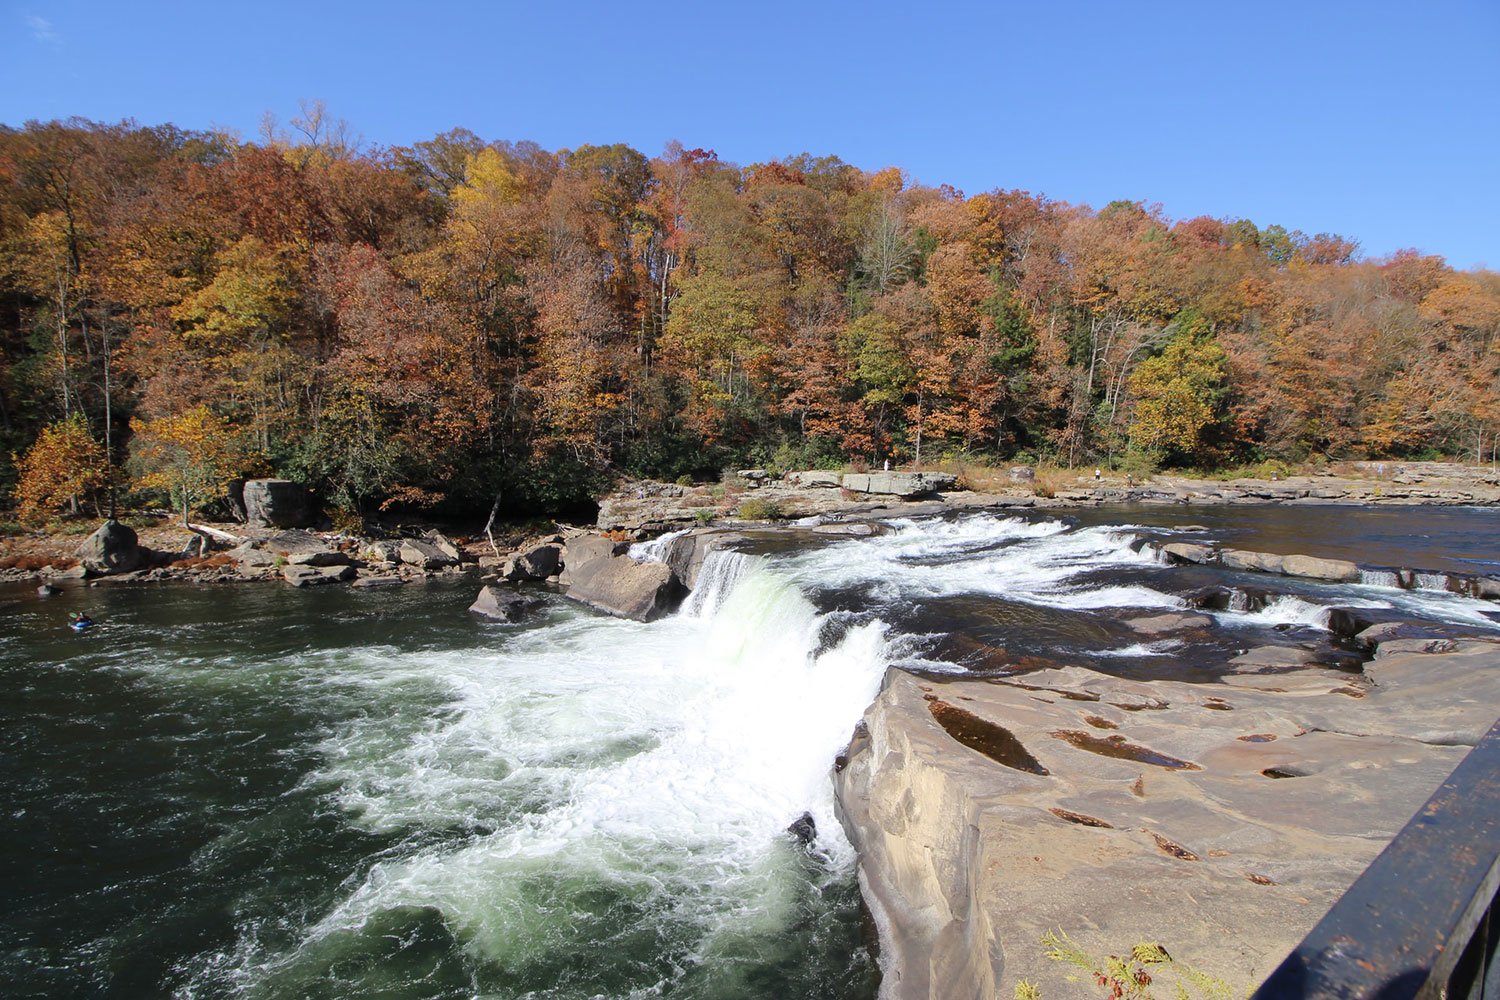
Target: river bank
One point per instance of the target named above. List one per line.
(644, 509)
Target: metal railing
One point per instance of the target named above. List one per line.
(1420, 922)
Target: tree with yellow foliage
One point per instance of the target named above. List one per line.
(64, 466)
(192, 456)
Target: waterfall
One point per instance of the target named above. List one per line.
(1380, 578)
(656, 549)
(721, 573)
(650, 771)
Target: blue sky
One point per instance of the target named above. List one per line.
(1376, 120)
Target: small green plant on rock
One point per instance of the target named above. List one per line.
(1146, 973)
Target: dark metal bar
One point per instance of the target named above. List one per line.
(1420, 922)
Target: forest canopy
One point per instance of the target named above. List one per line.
(427, 325)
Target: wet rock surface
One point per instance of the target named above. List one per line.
(1222, 823)
(503, 605)
(597, 572)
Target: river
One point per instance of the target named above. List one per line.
(265, 793)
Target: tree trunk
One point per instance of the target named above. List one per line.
(489, 526)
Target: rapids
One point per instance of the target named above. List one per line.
(263, 793)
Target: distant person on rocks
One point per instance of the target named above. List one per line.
(887, 465)
(1097, 474)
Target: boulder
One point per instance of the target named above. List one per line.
(196, 547)
(1338, 570)
(502, 605)
(289, 543)
(1256, 562)
(249, 556)
(324, 557)
(374, 582)
(1172, 621)
(685, 553)
(445, 545)
(277, 503)
(114, 548)
(313, 576)
(1021, 474)
(599, 574)
(899, 484)
(856, 529)
(382, 552)
(78, 572)
(584, 549)
(424, 555)
(815, 479)
(1188, 552)
(536, 563)
(625, 588)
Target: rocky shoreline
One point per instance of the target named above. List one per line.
(272, 540)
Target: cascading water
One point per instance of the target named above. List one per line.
(347, 794)
(628, 788)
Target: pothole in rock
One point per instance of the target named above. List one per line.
(995, 742)
(1122, 749)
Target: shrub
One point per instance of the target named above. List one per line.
(757, 509)
(703, 517)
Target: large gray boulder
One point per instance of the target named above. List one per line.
(899, 484)
(536, 563)
(502, 605)
(989, 812)
(300, 548)
(278, 503)
(599, 574)
(113, 548)
(585, 549)
(425, 555)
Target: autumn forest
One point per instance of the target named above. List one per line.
(421, 328)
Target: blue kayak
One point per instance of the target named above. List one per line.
(80, 626)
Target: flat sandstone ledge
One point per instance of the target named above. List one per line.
(1220, 820)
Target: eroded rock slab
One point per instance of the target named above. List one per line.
(1222, 822)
